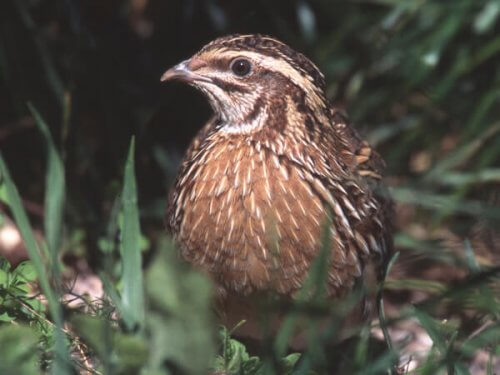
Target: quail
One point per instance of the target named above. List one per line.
(260, 180)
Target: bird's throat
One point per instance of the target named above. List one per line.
(248, 125)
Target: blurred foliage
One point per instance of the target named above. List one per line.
(20, 309)
(419, 78)
(176, 337)
(18, 355)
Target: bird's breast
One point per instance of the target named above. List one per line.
(248, 218)
(252, 219)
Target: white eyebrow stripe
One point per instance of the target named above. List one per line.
(282, 66)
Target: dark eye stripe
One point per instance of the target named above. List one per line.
(220, 64)
(229, 86)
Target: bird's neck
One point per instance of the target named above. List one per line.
(252, 123)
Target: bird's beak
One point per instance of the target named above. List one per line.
(184, 71)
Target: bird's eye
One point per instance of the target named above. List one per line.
(241, 67)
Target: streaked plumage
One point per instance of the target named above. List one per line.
(257, 182)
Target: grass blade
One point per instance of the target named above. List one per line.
(55, 184)
(60, 365)
(132, 298)
(54, 191)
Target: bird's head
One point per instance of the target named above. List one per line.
(249, 78)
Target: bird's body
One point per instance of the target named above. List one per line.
(267, 173)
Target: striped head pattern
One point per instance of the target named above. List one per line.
(251, 79)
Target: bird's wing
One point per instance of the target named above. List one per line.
(365, 169)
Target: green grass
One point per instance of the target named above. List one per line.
(54, 191)
(132, 304)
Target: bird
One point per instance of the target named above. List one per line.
(274, 165)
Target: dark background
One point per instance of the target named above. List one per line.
(419, 78)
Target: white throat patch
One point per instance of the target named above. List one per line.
(246, 127)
